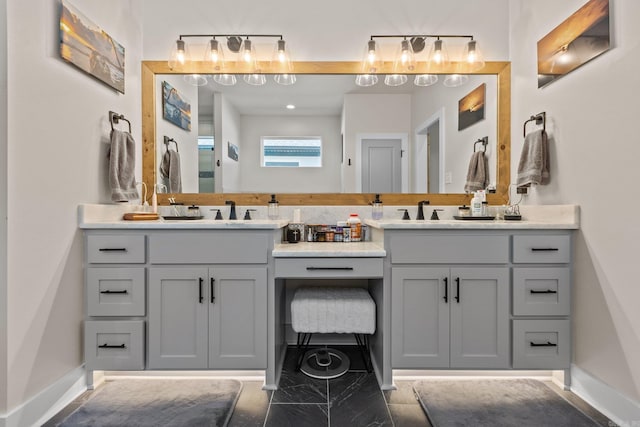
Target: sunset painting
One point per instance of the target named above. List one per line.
(85, 45)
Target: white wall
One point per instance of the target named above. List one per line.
(592, 120)
(459, 144)
(330, 29)
(370, 114)
(187, 139)
(57, 128)
(255, 178)
(3, 206)
(228, 132)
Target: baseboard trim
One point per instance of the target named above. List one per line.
(47, 403)
(617, 407)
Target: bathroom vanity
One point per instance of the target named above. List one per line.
(206, 294)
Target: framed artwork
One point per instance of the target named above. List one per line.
(576, 41)
(232, 151)
(175, 108)
(88, 47)
(471, 107)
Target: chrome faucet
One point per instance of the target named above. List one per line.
(420, 209)
(232, 212)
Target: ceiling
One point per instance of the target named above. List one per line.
(311, 94)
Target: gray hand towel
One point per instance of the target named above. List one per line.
(478, 173)
(122, 162)
(170, 170)
(534, 160)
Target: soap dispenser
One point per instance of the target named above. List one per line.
(376, 208)
(273, 208)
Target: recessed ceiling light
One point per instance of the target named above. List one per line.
(290, 107)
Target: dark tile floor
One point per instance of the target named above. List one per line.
(352, 400)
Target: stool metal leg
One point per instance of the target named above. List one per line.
(303, 345)
(362, 341)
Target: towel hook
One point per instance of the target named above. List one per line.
(540, 119)
(115, 118)
(167, 140)
(484, 141)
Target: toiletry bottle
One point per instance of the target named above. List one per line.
(154, 200)
(376, 208)
(356, 227)
(476, 205)
(273, 208)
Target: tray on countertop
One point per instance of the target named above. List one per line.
(182, 217)
(475, 218)
(140, 216)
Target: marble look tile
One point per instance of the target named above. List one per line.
(298, 415)
(296, 387)
(408, 416)
(252, 406)
(355, 399)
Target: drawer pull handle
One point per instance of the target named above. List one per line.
(548, 291)
(545, 344)
(330, 268)
(213, 293)
(114, 292)
(112, 346)
(200, 297)
(113, 249)
(457, 290)
(544, 249)
(446, 290)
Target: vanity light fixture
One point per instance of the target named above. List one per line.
(473, 56)
(179, 54)
(370, 65)
(406, 60)
(243, 47)
(195, 79)
(455, 80)
(225, 79)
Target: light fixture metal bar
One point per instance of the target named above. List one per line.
(232, 35)
(397, 36)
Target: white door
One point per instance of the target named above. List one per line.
(381, 165)
(433, 150)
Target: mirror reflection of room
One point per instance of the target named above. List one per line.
(377, 139)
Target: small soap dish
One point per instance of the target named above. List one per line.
(512, 217)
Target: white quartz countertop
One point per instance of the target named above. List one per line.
(565, 217)
(328, 250)
(110, 217)
(469, 225)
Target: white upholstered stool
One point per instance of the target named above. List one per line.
(332, 310)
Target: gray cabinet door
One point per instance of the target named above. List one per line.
(238, 318)
(479, 317)
(420, 317)
(178, 306)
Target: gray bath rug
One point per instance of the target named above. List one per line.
(158, 402)
(478, 403)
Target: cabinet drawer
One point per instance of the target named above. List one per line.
(115, 248)
(449, 248)
(541, 292)
(542, 249)
(114, 345)
(228, 247)
(115, 291)
(328, 267)
(541, 344)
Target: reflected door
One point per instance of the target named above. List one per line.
(381, 166)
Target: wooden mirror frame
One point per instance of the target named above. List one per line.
(503, 173)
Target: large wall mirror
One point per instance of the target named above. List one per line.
(339, 145)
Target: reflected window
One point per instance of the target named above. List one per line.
(291, 151)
